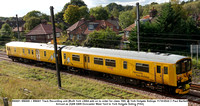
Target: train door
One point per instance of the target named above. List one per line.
(165, 74)
(86, 61)
(37, 52)
(159, 74)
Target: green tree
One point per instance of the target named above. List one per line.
(71, 14)
(59, 16)
(36, 14)
(31, 23)
(33, 18)
(113, 6)
(115, 12)
(103, 38)
(5, 34)
(78, 3)
(126, 18)
(100, 13)
(6, 30)
(84, 12)
(169, 20)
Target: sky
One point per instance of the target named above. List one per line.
(9, 8)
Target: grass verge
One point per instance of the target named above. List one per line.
(2, 48)
(23, 82)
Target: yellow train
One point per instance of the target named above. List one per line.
(153, 70)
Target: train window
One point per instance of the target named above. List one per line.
(178, 68)
(98, 61)
(64, 56)
(14, 49)
(165, 70)
(110, 62)
(23, 50)
(158, 69)
(188, 65)
(32, 52)
(45, 54)
(125, 64)
(28, 51)
(142, 67)
(87, 58)
(75, 57)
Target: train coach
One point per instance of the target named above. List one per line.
(31, 52)
(156, 71)
(166, 72)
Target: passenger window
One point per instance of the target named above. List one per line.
(64, 56)
(15, 49)
(142, 67)
(45, 53)
(158, 69)
(23, 50)
(88, 59)
(98, 61)
(32, 52)
(110, 63)
(28, 51)
(165, 70)
(75, 57)
(125, 64)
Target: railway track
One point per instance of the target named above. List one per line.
(193, 96)
(3, 56)
(195, 87)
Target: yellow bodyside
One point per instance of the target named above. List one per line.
(30, 53)
(131, 72)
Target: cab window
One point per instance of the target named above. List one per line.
(183, 66)
(14, 49)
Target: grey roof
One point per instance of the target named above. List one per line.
(33, 45)
(147, 56)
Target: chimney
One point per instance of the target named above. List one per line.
(92, 18)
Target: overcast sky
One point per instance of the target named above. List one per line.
(9, 8)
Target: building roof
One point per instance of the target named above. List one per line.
(81, 26)
(76, 25)
(42, 29)
(21, 29)
(129, 28)
(100, 24)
